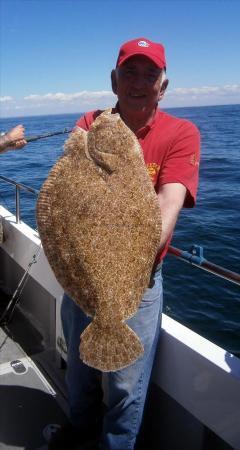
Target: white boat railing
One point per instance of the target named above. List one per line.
(18, 186)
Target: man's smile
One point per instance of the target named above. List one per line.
(134, 95)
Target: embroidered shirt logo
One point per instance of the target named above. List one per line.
(193, 160)
(143, 44)
(153, 170)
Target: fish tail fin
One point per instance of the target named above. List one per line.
(109, 348)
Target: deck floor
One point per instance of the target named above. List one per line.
(32, 389)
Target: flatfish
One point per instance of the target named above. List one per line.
(100, 224)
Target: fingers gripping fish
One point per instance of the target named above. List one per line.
(100, 224)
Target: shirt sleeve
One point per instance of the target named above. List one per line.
(181, 163)
(87, 119)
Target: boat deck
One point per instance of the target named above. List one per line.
(30, 399)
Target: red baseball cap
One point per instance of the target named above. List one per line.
(142, 46)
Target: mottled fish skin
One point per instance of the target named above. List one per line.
(100, 224)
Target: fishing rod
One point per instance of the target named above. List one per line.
(41, 136)
(46, 135)
(196, 258)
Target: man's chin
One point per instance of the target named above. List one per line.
(137, 107)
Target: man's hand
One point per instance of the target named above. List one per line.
(171, 198)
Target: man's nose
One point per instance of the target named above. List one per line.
(139, 81)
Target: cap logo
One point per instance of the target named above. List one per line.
(143, 44)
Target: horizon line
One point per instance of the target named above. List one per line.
(77, 112)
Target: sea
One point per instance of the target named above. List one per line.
(199, 300)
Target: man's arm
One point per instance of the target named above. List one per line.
(171, 197)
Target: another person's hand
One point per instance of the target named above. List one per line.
(16, 137)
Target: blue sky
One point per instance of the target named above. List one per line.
(57, 55)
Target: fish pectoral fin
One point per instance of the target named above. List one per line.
(103, 165)
(106, 161)
(109, 348)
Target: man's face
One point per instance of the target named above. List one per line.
(137, 83)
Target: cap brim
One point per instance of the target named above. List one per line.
(156, 61)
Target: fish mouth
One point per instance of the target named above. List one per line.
(110, 116)
(108, 120)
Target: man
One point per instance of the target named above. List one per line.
(171, 152)
(13, 139)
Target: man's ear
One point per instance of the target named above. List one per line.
(163, 89)
(114, 81)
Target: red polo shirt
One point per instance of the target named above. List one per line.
(171, 149)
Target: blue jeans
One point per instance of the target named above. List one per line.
(126, 388)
